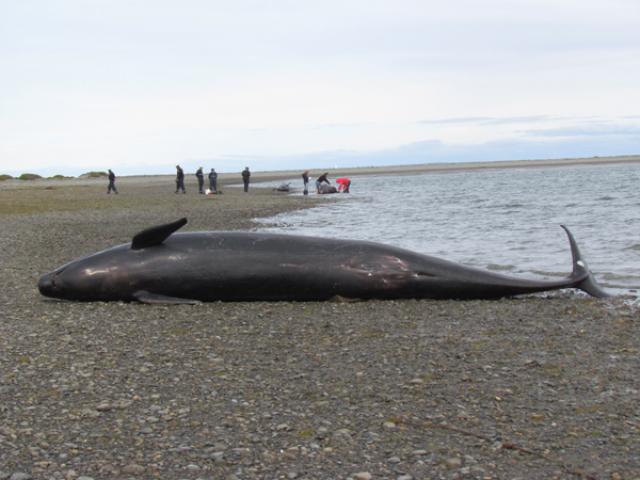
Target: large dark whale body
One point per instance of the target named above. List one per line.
(161, 267)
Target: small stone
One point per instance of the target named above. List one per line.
(122, 404)
(217, 457)
(416, 381)
(293, 475)
(405, 477)
(104, 407)
(133, 469)
(393, 460)
(193, 467)
(389, 425)
(362, 476)
(453, 462)
(420, 453)
(82, 477)
(468, 459)
(20, 476)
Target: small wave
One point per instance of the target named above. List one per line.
(606, 198)
(500, 268)
(635, 247)
(511, 206)
(610, 276)
(543, 273)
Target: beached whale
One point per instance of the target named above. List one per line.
(160, 266)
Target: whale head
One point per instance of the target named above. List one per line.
(115, 273)
(97, 277)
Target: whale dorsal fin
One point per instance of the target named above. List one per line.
(156, 235)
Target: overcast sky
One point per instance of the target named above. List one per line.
(139, 86)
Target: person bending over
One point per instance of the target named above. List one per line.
(322, 179)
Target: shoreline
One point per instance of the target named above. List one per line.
(226, 178)
(456, 167)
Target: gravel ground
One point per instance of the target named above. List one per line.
(535, 387)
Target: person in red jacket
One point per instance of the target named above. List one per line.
(343, 184)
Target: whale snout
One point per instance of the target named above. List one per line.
(45, 284)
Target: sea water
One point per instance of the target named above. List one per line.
(505, 220)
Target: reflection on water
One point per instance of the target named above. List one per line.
(506, 220)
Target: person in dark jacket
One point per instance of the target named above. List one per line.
(200, 176)
(305, 181)
(322, 178)
(246, 174)
(180, 179)
(112, 183)
(213, 181)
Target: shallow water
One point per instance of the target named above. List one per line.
(504, 219)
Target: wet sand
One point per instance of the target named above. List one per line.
(533, 387)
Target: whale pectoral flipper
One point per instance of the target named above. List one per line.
(156, 299)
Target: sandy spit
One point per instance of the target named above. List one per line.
(520, 388)
(261, 176)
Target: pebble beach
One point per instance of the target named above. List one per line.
(536, 387)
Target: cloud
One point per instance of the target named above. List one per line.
(586, 131)
(489, 120)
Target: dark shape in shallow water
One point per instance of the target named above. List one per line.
(160, 266)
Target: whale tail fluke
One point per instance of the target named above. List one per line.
(581, 274)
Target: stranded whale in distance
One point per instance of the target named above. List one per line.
(159, 266)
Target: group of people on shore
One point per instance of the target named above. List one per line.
(213, 180)
(323, 184)
(212, 176)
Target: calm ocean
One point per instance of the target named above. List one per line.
(505, 220)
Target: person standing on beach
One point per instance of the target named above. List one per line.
(246, 174)
(180, 179)
(200, 176)
(213, 181)
(320, 179)
(112, 183)
(305, 181)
